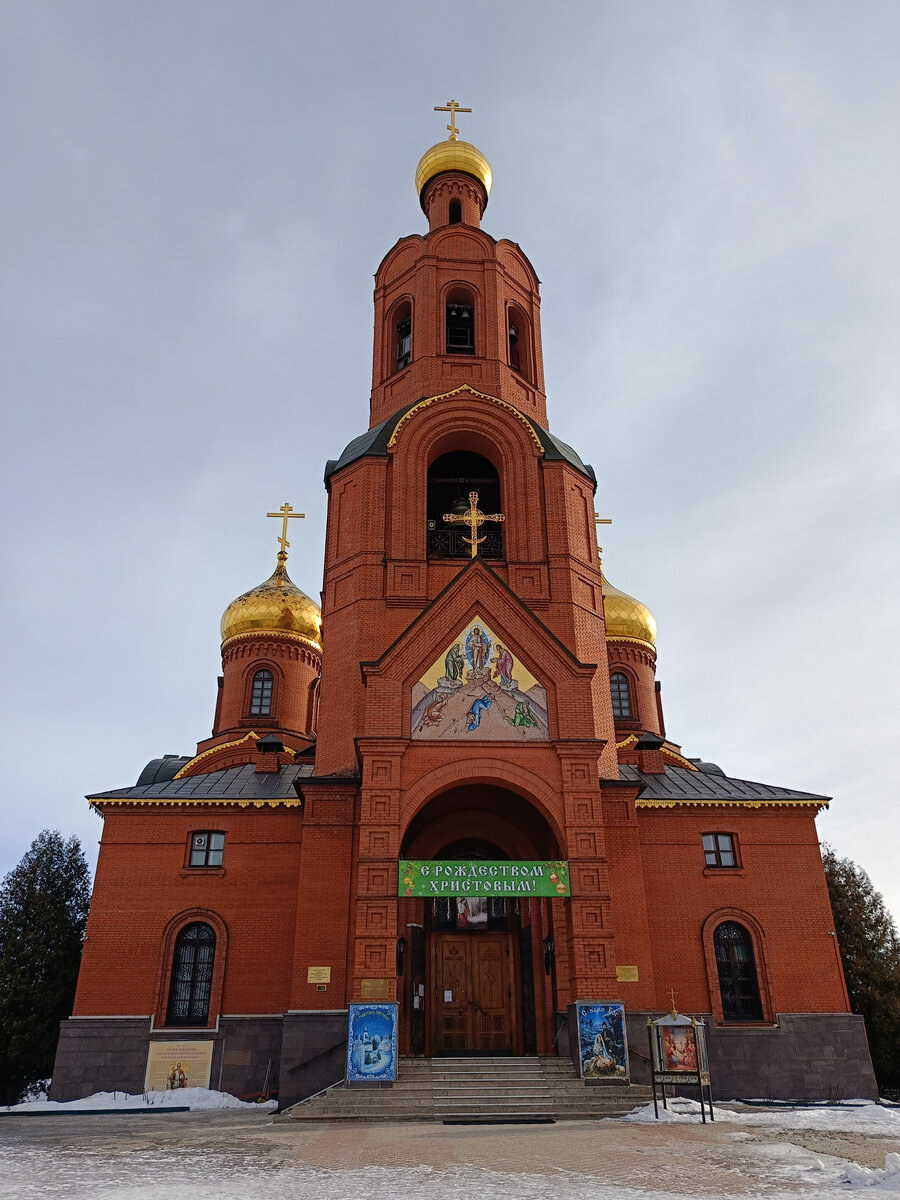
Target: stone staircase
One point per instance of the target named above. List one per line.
(474, 1091)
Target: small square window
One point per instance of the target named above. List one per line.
(719, 850)
(207, 849)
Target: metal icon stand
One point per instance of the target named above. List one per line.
(678, 1056)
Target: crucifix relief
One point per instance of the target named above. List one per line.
(473, 517)
(286, 512)
(452, 108)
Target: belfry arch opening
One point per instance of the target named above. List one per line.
(478, 977)
(451, 479)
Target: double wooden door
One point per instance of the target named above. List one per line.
(473, 1002)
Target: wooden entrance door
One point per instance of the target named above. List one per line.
(473, 1006)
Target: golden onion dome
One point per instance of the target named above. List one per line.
(276, 606)
(453, 155)
(626, 618)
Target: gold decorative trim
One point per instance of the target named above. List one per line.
(465, 387)
(265, 634)
(635, 641)
(195, 802)
(215, 750)
(721, 803)
(629, 741)
(680, 759)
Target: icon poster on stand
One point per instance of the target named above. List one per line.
(602, 1048)
(372, 1043)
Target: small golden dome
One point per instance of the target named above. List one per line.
(626, 618)
(453, 155)
(276, 606)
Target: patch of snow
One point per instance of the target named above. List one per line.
(192, 1098)
(887, 1180)
(853, 1116)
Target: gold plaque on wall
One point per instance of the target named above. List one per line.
(626, 974)
(318, 974)
(373, 989)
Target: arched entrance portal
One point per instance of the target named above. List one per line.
(478, 979)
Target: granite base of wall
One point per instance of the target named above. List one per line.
(806, 1056)
(100, 1054)
(248, 1058)
(109, 1054)
(313, 1054)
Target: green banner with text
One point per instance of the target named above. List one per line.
(478, 877)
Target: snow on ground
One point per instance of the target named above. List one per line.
(794, 1174)
(192, 1098)
(850, 1116)
(132, 1158)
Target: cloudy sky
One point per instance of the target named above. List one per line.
(197, 195)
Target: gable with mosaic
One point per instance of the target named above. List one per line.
(478, 690)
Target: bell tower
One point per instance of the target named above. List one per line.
(465, 685)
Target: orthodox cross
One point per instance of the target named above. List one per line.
(285, 512)
(452, 108)
(598, 520)
(473, 517)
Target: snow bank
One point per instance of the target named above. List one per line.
(852, 1116)
(887, 1180)
(192, 1098)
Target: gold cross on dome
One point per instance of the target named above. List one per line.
(598, 520)
(285, 512)
(452, 108)
(473, 517)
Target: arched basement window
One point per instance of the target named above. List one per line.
(460, 323)
(261, 694)
(621, 695)
(192, 969)
(450, 480)
(738, 982)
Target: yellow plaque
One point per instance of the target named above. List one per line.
(174, 1065)
(626, 974)
(318, 974)
(373, 989)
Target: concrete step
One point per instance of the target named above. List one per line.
(476, 1091)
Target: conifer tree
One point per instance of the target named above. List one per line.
(43, 911)
(870, 952)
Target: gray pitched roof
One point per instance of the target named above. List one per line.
(240, 785)
(374, 443)
(679, 785)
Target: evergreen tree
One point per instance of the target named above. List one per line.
(870, 952)
(43, 911)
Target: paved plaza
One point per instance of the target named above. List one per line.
(207, 1155)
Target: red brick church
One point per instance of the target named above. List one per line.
(472, 690)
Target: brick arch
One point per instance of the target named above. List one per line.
(493, 772)
(500, 435)
(167, 950)
(758, 939)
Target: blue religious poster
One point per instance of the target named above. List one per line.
(372, 1043)
(602, 1046)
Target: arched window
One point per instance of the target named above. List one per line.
(450, 480)
(738, 983)
(519, 341)
(402, 322)
(192, 970)
(460, 323)
(621, 695)
(261, 694)
(455, 212)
